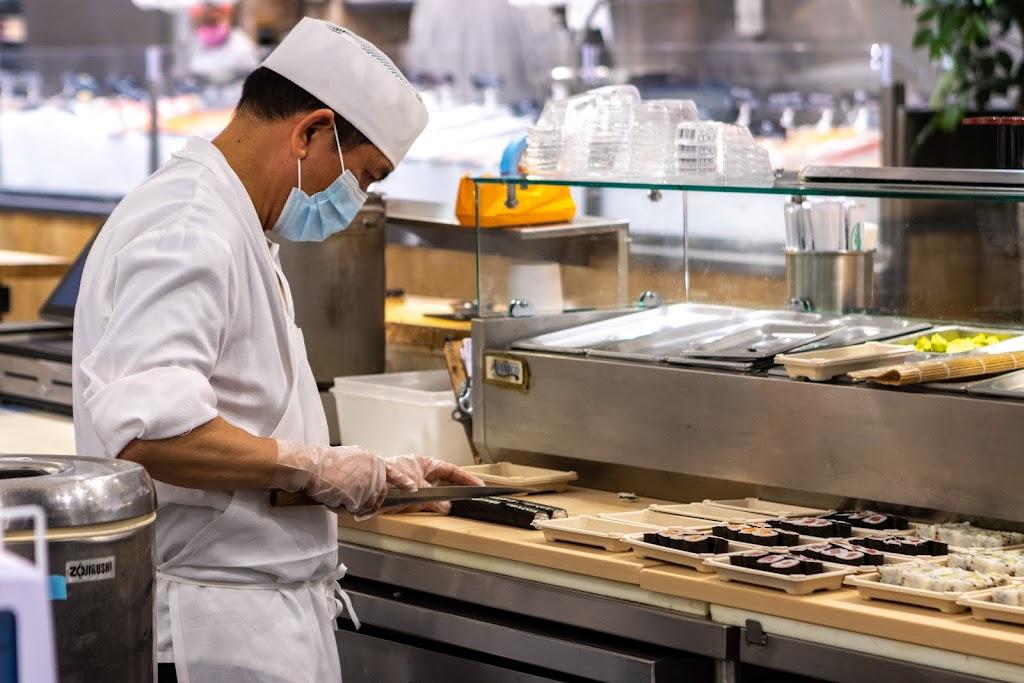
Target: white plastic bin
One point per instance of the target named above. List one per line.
(401, 412)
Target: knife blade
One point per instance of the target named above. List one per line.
(396, 497)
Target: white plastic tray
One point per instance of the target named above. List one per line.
(983, 609)
(509, 474)
(956, 548)
(825, 364)
(764, 507)
(643, 549)
(799, 584)
(871, 588)
(659, 519)
(712, 512)
(589, 530)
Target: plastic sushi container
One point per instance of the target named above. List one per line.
(870, 587)
(764, 507)
(590, 530)
(795, 584)
(509, 474)
(659, 519)
(643, 549)
(824, 364)
(917, 531)
(983, 608)
(712, 512)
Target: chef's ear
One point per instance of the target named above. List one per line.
(308, 125)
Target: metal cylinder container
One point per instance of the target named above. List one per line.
(100, 515)
(830, 281)
(338, 287)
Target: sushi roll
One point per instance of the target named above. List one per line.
(788, 538)
(651, 537)
(854, 558)
(1007, 596)
(748, 559)
(788, 566)
(760, 536)
(768, 560)
(696, 543)
(809, 565)
(890, 574)
(957, 561)
(918, 577)
(666, 538)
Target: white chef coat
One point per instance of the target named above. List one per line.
(184, 315)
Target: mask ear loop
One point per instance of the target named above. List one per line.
(340, 155)
(298, 160)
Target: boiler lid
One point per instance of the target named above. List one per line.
(75, 491)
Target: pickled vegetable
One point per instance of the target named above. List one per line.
(938, 343)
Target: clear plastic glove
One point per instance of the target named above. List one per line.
(430, 472)
(341, 477)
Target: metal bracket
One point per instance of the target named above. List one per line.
(649, 299)
(798, 304)
(511, 201)
(755, 633)
(519, 308)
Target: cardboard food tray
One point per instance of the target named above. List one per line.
(589, 530)
(659, 519)
(714, 513)
(983, 609)
(796, 584)
(823, 365)
(869, 587)
(642, 549)
(764, 507)
(509, 474)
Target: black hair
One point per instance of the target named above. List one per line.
(269, 96)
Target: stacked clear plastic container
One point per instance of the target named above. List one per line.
(611, 133)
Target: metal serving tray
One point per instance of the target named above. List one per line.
(1010, 385)
(760, 341)
(660, 346)
(857, 329)
(577, 340)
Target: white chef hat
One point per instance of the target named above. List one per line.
(355, 79)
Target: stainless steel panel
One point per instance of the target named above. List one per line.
(369, 658)
(559, 605)
(852, 441)
(75, 491)
(35, 378)
(104, 629)
(1006, 386)
(525, 642)
(836, 664)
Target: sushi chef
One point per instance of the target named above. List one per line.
(188, 361)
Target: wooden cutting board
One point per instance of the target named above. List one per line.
(522, 544)
(845, 609)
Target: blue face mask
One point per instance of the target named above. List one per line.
(314, 219)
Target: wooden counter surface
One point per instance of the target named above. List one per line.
(522, 544)
(406, 322)
(842, 609)
(29, 264)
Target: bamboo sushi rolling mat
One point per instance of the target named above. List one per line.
(942, 369)
(842, 609)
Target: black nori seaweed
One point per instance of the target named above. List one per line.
(497, 512)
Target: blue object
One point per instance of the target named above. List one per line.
(514, 151)
(58, 587)
(8, 647)
(314, 219)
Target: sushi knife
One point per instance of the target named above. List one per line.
(395, 497)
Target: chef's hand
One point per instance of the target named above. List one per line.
(348, 478)
(430, 472)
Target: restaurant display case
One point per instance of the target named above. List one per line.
(685, 397)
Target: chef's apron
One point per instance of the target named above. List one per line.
(252, 595)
